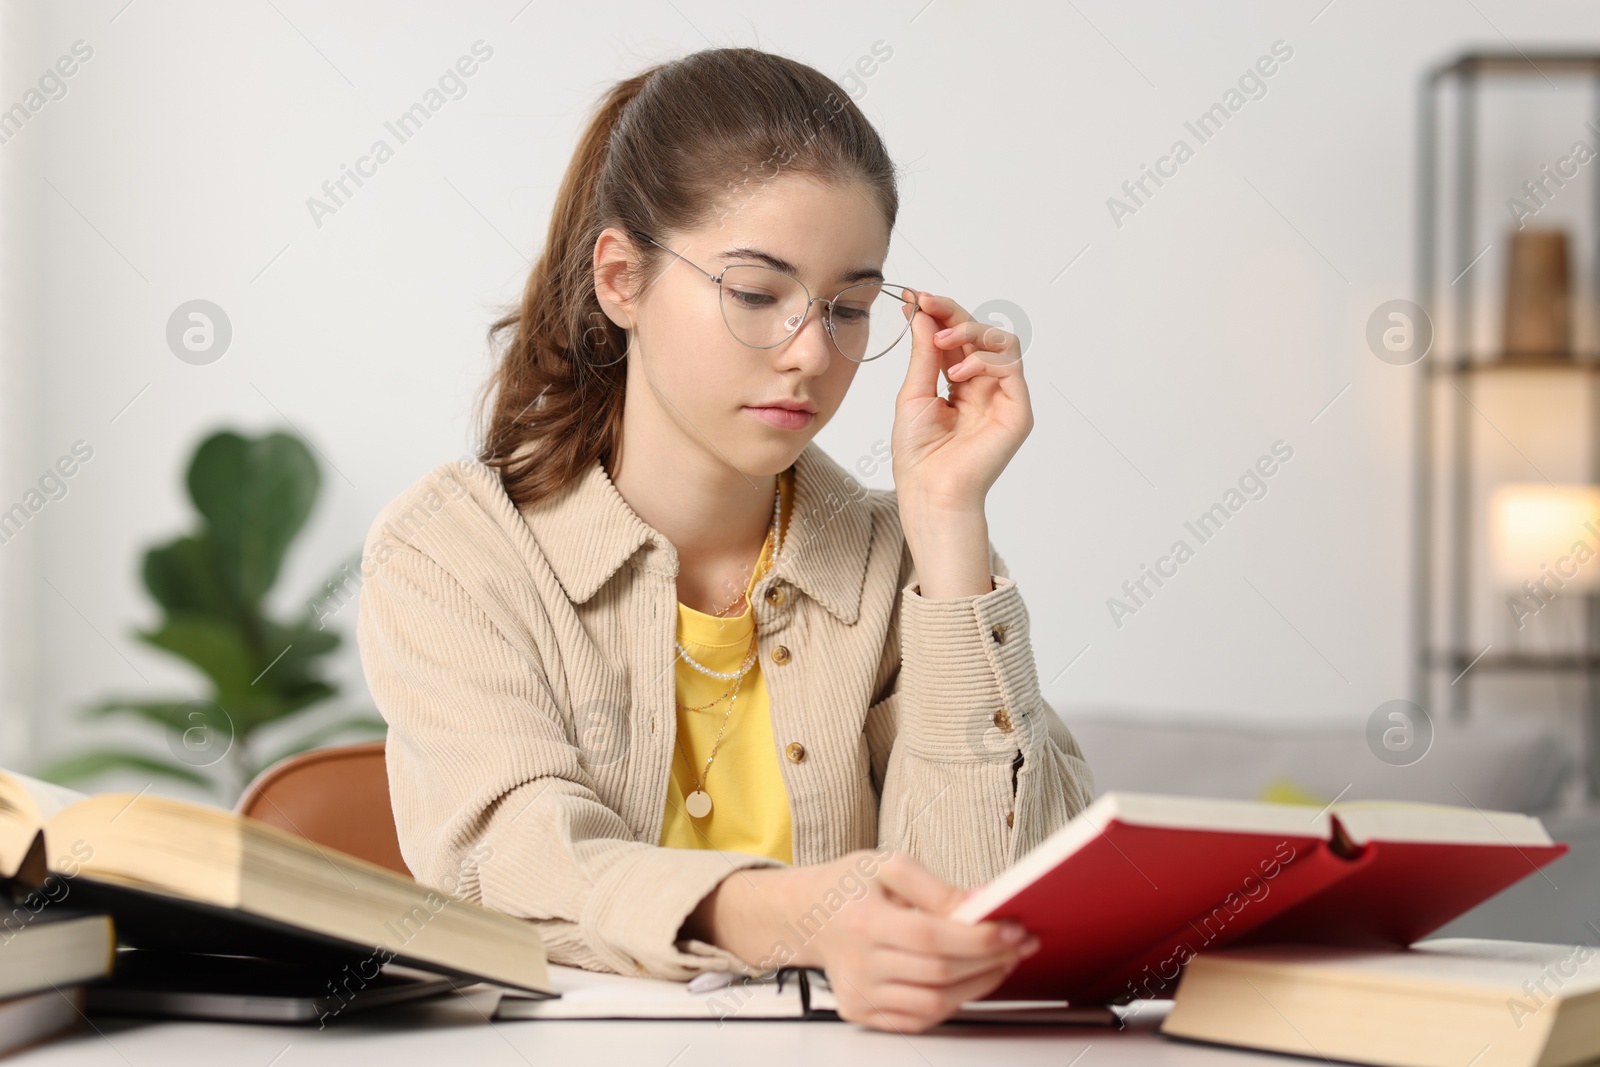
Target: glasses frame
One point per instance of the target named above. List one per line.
(827, 304)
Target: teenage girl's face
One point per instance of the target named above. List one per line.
(703, 383)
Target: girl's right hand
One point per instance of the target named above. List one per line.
(894, 960)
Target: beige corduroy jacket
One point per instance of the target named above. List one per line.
(524, 662)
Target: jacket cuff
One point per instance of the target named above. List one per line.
(635, 911)
(968, 682)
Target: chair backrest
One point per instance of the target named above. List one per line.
(337, 797)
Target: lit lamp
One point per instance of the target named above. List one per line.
(1533, 531)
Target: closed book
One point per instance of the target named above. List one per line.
(197, 985)
(178, 876)
(44, 946)
(35, 1018)
(1443, 1002)
(1137, 884)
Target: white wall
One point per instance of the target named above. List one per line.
(1223, 316)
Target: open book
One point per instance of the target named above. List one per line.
(176, 875)
(791, 993)
(1137, 884)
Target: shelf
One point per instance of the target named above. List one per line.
(1518, 661)
(1530, 63)
(1455, 184)
(1501, 365)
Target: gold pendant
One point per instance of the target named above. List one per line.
(698, 803)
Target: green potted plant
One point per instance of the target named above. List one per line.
(253, 496)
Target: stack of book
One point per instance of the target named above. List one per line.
(220, 916)
(1284, 928)
(46, 957)
(1137, 885)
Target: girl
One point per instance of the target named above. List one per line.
(858, 734)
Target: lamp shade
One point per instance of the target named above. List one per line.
(1538, 526)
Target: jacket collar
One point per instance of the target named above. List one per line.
(587, 532)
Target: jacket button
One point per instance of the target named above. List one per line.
(1011, 819)
(780, 654)
(796, 752)
(1002, 720)
(775, 595)
(998, 632)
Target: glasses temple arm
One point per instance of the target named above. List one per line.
(658, 244)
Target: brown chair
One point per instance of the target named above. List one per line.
(337, 797)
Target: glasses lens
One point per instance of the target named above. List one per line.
(869, 320)
(762, 306)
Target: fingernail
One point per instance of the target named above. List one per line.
(1030, 948)
(942, 334)
(1013, 933)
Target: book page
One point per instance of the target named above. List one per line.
(42, 799)
(1410, 821)
(1554, 970)
(25, 805)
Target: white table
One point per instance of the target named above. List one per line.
(456, 1030)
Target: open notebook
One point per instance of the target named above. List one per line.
(790, 993)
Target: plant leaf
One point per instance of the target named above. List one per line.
(256, 493)
(182, 577)
(167, 712)
(219, 650)
(95, 762)
(302, 697)
(296, 655)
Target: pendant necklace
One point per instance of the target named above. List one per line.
(698, 802)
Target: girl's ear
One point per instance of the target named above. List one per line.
(615, 260)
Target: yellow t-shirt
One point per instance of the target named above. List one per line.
(749, 804)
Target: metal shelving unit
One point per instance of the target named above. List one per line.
(1444, 650)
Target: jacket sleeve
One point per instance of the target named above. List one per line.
(490, 797)
(974, 766)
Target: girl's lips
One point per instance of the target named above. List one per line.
(782, 418)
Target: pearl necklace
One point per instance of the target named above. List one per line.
(698, 802)
(744, 668)
(774, 535)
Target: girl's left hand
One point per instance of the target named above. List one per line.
(948, 452)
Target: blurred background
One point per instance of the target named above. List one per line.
(237, 359)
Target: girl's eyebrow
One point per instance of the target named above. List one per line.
(860, 274)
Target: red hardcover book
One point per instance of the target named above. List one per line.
(1124, 894)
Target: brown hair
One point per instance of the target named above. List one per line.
(661, 154)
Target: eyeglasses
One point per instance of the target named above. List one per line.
(764, 306)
